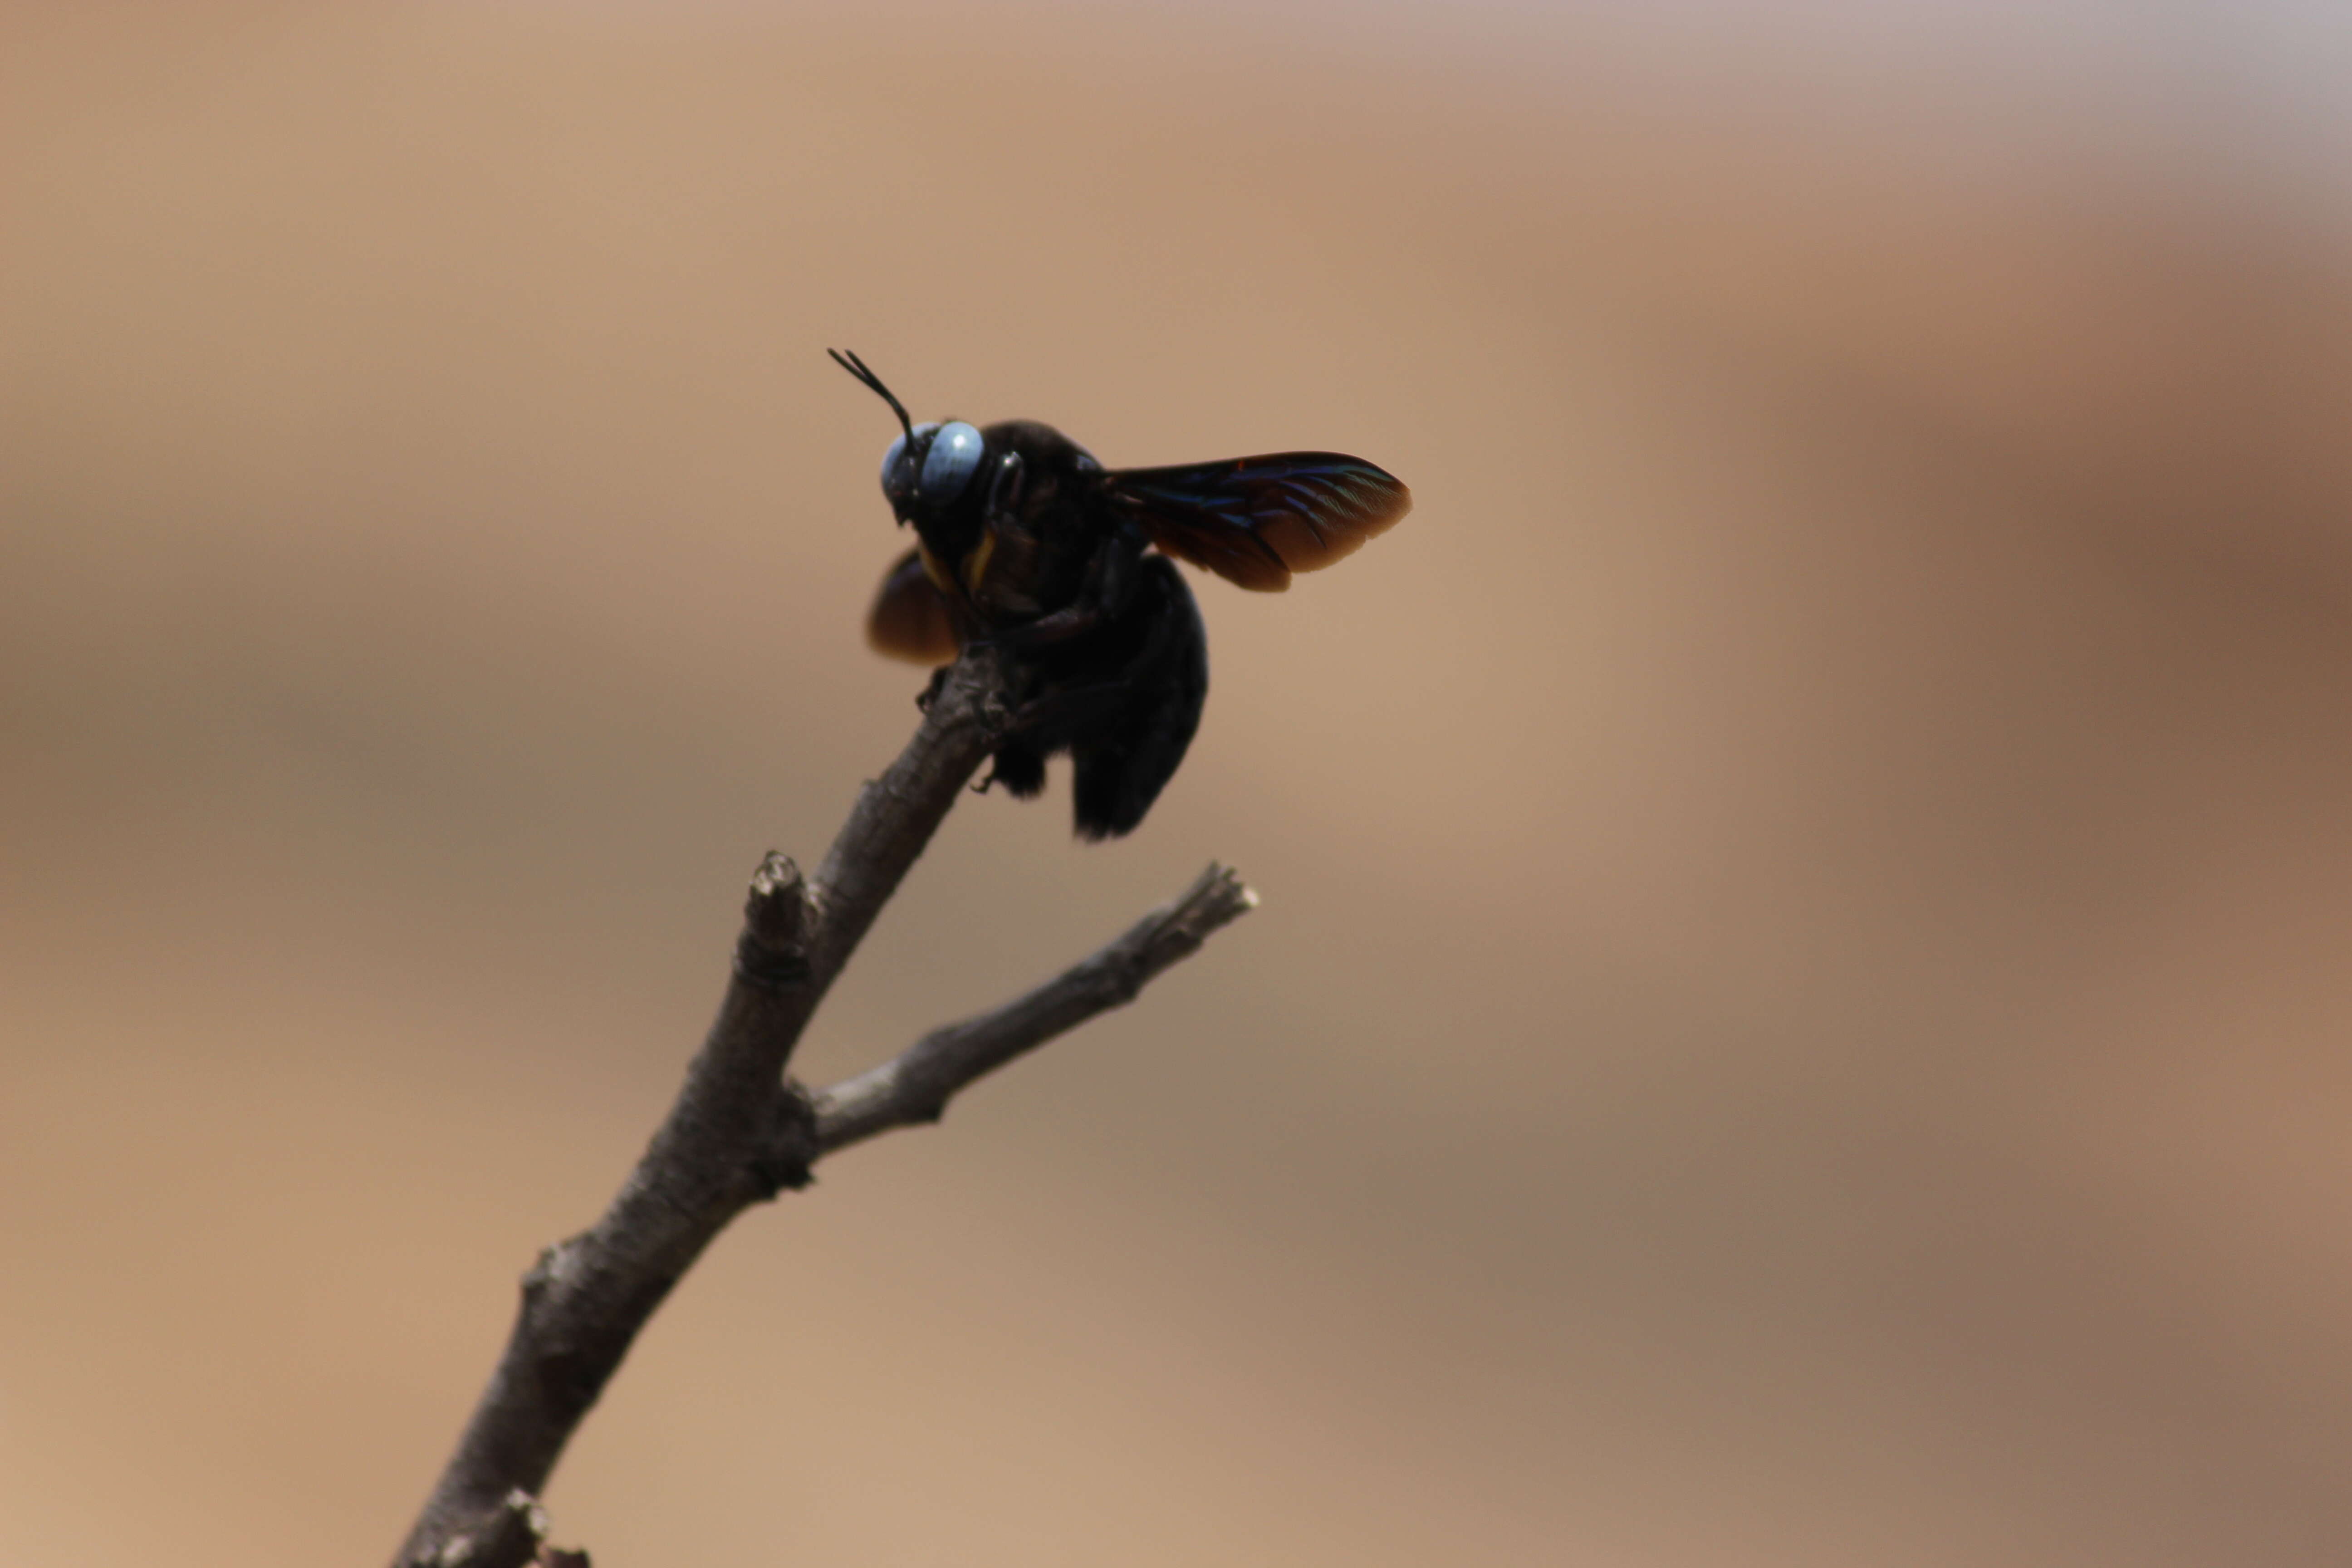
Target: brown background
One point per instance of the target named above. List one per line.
(1800, 1013)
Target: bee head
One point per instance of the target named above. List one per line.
(929, 467)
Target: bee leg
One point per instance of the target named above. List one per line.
(930, 692)
(1047, 724)
(1059, 712)
(1103, 594)
(1020, 768)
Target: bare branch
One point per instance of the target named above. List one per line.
(736, 1134)
(740, 1130)
(915, 1085)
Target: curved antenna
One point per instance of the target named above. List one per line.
(856, 367)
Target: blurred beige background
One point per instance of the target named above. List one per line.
(1800, 1013)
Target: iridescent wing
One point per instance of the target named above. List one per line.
(1255, 521)
(909, 619)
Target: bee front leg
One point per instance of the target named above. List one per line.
(1055, 712)
(1006, 544)
(1106, 591)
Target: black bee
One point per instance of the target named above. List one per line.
(1025, 541)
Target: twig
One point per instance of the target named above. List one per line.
(915, 1085)
(741, 1131)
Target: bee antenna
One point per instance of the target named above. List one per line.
(856, 367)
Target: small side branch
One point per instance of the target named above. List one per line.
(915, 1085)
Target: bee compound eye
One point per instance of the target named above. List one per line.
(891, 459)
(949, 466)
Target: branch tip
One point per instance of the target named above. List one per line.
(772, 953)
(1215, 899)
(776, 911)
(777, 869)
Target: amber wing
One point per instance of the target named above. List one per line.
(909, 619)
(1255, 521)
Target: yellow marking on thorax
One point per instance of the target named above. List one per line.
(975, 565)
(935, 568)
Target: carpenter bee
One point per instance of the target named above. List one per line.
(1024, 540)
